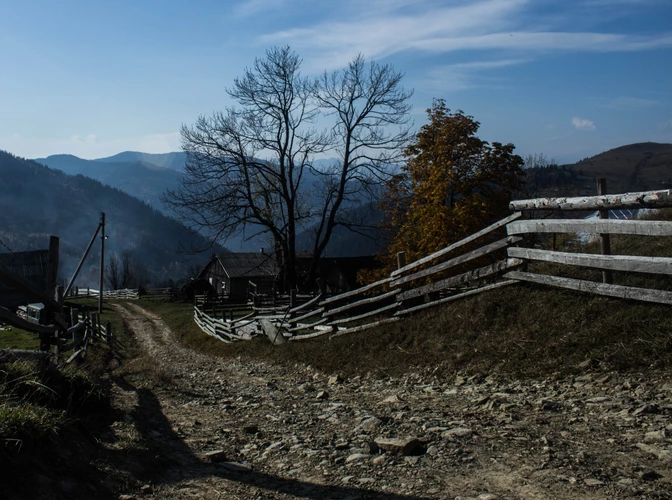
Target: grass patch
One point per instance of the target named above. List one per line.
(12, 337)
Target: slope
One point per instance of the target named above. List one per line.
(36, 201)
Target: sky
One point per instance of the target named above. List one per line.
(567, 78)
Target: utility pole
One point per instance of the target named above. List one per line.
(102, 262)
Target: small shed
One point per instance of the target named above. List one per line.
(230, 274)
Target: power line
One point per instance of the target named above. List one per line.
(5, 245)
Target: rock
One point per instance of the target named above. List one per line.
(659, 452)
(322, 395)
(366, 480)
(593, 482)
(457, 432)
(550, 405)
(370, 447)
(236, 467)
(646, 409)
(215, 456)
(433, 451)
(392, 399)
(655, 436)
(378, 461)
(370, 424)
(146, 489)
(356, 457)
(126, 497)
(459, 381)
(650, 475)
(488, 496)
(336, 379)
(402, 446)
(412, 460)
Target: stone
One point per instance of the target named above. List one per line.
(322, 395)
(146, 489)
(646, 409)
(215, 456)
(370, 424)
(457, 432)
(655, 436)
(650, 475)
(433, 451)
(378, 461)
(488, 496)
(592, 482)
(392, 399)
(356, 457)
(336, 379)
(370, 447)
(402, 446)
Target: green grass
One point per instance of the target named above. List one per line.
(12, 337)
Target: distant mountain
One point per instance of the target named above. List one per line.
(636, 167)
(145, 181)
(37, 201)
(174, 161)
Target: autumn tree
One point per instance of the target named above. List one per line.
(452, 184)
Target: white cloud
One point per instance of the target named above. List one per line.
(583, 124)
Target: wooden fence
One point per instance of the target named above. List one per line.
(464, 268)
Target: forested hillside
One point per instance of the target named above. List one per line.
(36, 201)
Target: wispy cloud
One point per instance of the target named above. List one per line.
(249, 8)
(463, 76)
(482, 25)
(625, 103)
(583, 124)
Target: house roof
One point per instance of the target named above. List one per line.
(248, 265)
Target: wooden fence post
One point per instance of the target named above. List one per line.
(401, 259)
(605, 240)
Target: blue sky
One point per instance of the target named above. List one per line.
(566, 78)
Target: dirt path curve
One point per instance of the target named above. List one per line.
(250, 429)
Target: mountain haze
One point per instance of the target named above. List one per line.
(37, 201)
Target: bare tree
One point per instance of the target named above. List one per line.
(112, 272)
(371, 129)
(127, 271)
(247, 168)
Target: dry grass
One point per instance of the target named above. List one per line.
(521, 330)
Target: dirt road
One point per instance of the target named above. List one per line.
(247, 429)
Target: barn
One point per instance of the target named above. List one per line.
(230, 274)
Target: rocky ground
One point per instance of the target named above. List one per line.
(243, 429)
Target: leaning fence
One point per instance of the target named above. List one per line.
(483, 261)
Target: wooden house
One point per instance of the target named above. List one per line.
(230, 274)
(37, 267)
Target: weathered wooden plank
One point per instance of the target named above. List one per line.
(305, 305)
(365, 315)
(361, 328)
(456, 245)
(307, 315)
(609, 226)
(474, 254)
(620, 291)
(313, 335)
(643, 199)
(297, 328)
(354, 292)
(652, 265)
(454, 297)
(369, 300)
(470, 276)
(272, 332)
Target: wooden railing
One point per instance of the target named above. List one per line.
(433, 280)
